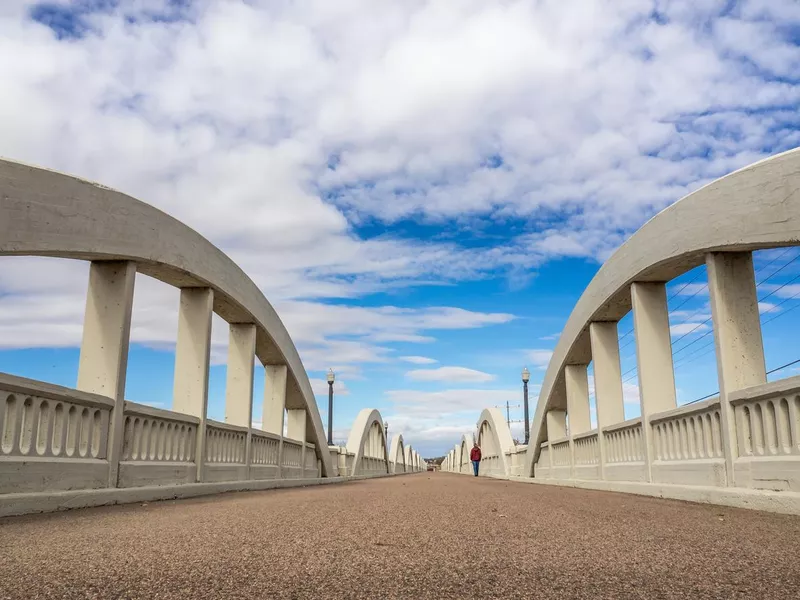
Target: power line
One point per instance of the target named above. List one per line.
(770, 372)
(765, 279)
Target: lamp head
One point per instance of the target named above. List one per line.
(526, 375)
(331, 376)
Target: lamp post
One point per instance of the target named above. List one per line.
(526, 376)
(386, 431)
(331, 378)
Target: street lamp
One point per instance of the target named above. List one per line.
(526, 377)
(331, 378)
(386, 431)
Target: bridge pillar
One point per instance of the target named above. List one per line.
(556, 430)
(653, 357)
(296, 430)
(239, 379)
(576, 380)
(192, 353)
(604, 340)
(272, 415)
(103, 363)
(737, 336)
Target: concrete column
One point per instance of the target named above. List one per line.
(272, 415)
(239, 380)
(607, 381)
(190, 389)
(556, 430)
(103, 361)
(296, 429)
(556, 425)
(737, 336)
(653, 357)
(274, 398)
(576, 380)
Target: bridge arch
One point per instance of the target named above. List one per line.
(720, 224)
(494, 439)
(367, 442)
(397, 455)
(45, 213)
(465, 466)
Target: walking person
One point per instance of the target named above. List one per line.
(475, 457)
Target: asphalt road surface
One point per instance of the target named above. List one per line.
(417, 536)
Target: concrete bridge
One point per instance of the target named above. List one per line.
(436, 535)
(68, 448)
(740, 447)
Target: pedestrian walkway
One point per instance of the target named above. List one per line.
(429, 535)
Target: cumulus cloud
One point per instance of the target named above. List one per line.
(539, 358)
(419, 360)
(285, 132)
(434, 420)
(450, 374)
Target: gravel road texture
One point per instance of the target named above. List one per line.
(429, 535)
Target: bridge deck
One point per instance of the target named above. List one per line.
(419, 536)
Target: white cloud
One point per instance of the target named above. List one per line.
(539, 358)
(688, 328)
(551, 337)
(450, 374)
(434, 421)
(277, 129)
(418, 360)
(768, 307)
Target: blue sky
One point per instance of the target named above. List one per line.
(422, 189)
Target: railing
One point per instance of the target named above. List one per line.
(62, 432)
(624, 442)
(292, 453)
(264, 448)
(586, 449)
(52, 426)
(226, 444)
(561, 453)
(767, 421)
(151, 434)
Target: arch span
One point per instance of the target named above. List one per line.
(397, 455)
(756, 207)
(45, 213)
(465, 466)
(367, 442)
(494, 439)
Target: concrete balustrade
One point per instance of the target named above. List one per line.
(741, 448)
(63, 447)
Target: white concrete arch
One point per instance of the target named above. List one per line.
(397, 454)
(367, 442)
(494, 440)
(756, 207)
(45, 213)
(409, 457)
(465, 447)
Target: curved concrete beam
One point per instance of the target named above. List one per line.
(761, 210)
(397, 454)
(464, 449)
(44, 213)
(359, 433)
(501, 435)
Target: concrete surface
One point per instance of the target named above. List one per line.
(762, 195)
(44, 213)
(423, 536)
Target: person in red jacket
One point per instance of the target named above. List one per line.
(475, 457)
